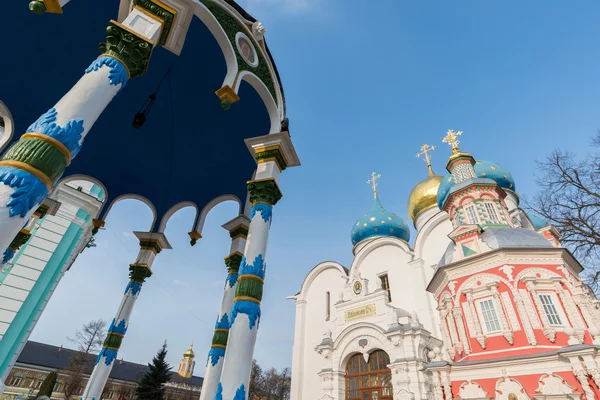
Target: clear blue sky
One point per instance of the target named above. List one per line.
(366, 83)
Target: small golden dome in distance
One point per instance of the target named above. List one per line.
(424, 195)
(190, 352)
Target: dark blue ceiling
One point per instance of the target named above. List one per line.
(189, 148)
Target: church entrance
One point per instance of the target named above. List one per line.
(370, 380)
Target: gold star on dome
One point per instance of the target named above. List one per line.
(452, 139)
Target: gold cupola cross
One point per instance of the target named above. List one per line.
(373, 182)
(425, 149)
(452, 139)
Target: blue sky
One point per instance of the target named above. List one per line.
(366, 84)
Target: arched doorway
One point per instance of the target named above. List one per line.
(370, 380)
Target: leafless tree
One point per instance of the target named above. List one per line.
(88, 341)
(569, 199)
(269, 384)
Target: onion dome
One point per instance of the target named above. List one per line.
(423, 195)
(537, 222)
(378, 223)
(483, 169)
(189, 354)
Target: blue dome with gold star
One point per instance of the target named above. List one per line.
(483, 169)
(379, 222)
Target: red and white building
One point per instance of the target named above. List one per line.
(515, 318)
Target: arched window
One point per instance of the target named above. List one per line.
(327, 306)
(370, 380)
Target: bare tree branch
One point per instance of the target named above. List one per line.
(569, 199)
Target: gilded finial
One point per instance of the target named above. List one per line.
(425, 149)
(452, 139)
(373, 182)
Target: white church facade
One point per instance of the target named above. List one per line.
(394, 325)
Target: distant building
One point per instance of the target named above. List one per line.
(187, 363)
(38, 359)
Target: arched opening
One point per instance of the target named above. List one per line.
(369, 380)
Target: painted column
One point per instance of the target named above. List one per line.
(24, 234)
(150, 245)
(238, 230)
(34, 164)
(273, 153)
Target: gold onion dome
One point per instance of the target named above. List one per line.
(190, 352)
(424, 195)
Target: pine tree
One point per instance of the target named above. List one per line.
(151, 386)
(48, 385)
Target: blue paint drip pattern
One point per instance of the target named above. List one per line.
(8, 255)
(110, 355)
(257, 268)
(223, 323)
(240, 394)
(135, 288)
(119, 328)
(29, 191)
(219, 395)
(251, 309)
(214, 354)
(266, 211)
(231, 280)
(116, 76)
(69, 134)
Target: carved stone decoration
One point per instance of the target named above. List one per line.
(553, 384)
(582, 377)
(471, 390)
(452, 287)
(533, 318)
(446, 334)
(469, 319)
(453, 332)
(478, 332)
(509, 389)
(506, 331)
(595, 373)
(438, 392)
(402, 383)
(571, 309)
(524, 314)
(258, 30)
(548, 331)
(510, 311)
(507, 270)
(462, 333)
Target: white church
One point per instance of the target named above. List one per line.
(436, 319)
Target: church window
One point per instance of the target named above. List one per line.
(369, 380)
(550, 309)
(472, 214)
(327, 306)
(490, 317)
(491, 210)
(385, 285)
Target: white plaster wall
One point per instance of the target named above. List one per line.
(305, 381)
(407, 282)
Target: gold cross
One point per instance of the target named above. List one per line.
(452, 139)
(373, 182)
(425, 149)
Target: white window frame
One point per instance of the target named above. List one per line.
(482, 323)
(564, 322)
(492, 212)
(474, 219)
